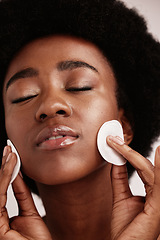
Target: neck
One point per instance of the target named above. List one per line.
(81, 209)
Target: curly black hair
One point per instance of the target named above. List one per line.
(120, 33)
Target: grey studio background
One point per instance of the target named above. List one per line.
(151, 10)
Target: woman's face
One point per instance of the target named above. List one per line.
(58, 91)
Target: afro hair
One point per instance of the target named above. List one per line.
(120, 33)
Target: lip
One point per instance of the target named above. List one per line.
(55, 137)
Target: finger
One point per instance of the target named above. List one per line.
(143, 166)
(6, 172)
(152, 200)
(156, 186)
(11, 235)
(120, 183)
(5, 178)
(6, 152)
(24, 197)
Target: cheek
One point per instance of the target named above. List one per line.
(12, 127)
(94, 115)
(83, 158)
(99, 111)
(17, 128)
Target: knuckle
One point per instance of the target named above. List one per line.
(7, 173)
(3, 231)
(130, 151)
(120, 175)
(2, 168)
(3, 195)
(2, 210)
(21, 196)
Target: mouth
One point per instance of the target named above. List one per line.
(52, 138)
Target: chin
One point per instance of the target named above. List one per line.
(61, 169)
(67, 176)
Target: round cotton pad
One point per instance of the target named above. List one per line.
(18, 164)
(113, 128)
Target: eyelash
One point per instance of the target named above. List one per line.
(81, 89)
(23, 99)
(74, 89)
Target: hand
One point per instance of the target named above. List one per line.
(28, 225)
(135, 217)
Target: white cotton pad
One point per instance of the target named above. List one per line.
(18, 164)
(112, 128)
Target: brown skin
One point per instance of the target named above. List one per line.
(74, 182)
(84, 111)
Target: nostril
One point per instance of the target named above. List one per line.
(61, 112)
(43, 116)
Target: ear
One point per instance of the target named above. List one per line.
(127, 129)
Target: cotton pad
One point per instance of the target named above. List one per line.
(112, 128)
(18, 164)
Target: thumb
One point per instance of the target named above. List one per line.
(120, 183)
(24, 197)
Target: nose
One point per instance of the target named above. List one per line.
(53, 105)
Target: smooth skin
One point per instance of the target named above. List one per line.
(131, 217)
(74, 96)
(84, 196)
(28, 225)
(135, 217)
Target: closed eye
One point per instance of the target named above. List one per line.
(23, 99)
(76, 89)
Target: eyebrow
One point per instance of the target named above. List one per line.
(25, 73)
(61, 66)
(70, 65)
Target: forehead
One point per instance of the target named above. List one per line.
(48, 51)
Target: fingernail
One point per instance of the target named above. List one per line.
(116, 140)
(9, 157)
(5, 151)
